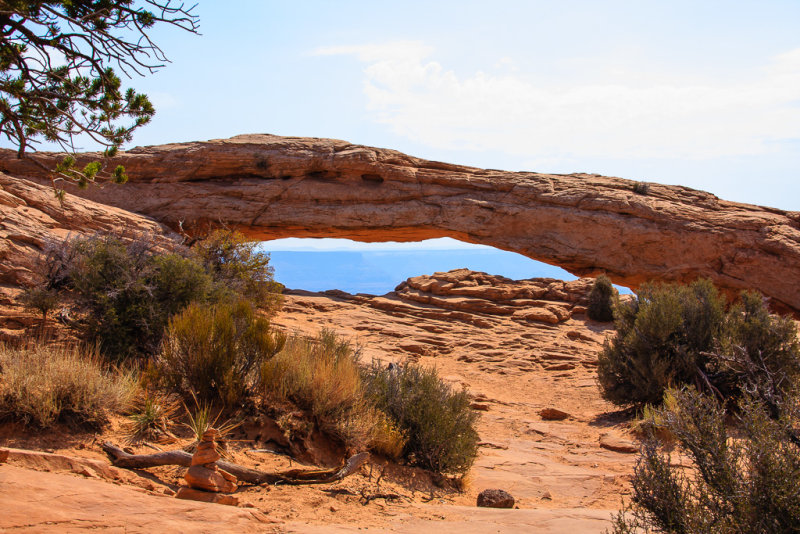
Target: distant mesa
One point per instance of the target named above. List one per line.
(271, 187)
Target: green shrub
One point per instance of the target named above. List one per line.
(747, 483)
(130, 291)
(436, 421)
(662, 337)
(41, 385)
(213, 351)
(323, 376)
(673, 335)
(757, 354)
(601, 300)
(40, 299)
(239, 268)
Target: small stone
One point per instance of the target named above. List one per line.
(168, 492)
(479, 407)
(560, 367)
(495, 498)
(206, 454)
(546, 496)
(205, 496)
(617, 443)
(210, 435)
(203, 478)
(553, 414)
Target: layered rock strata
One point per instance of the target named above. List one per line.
(31, 216)
(272, 187)
(525, 323)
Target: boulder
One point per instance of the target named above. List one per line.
(617, 443)
(553, 414)
(495, 498)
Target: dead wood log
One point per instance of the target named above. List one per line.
(120, 458)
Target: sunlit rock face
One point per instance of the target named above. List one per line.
(270, 187)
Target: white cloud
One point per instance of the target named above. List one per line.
(622, 115)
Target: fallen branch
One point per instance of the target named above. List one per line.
(120, 458)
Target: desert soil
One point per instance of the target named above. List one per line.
(566, 475)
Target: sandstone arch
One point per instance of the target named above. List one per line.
(271, 187)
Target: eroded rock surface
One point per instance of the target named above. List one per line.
(30, 216)
(272, 187)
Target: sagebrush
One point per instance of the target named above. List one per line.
(436, 420)
(743, 480)
(676, 335)
(214, 351)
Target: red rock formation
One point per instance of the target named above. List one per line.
(273, 187)
(30, 215)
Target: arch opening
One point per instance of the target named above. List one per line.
(320, 264)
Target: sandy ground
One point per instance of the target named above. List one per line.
(563, 478)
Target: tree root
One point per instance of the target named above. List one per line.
(120, 458)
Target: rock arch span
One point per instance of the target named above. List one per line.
(270, 187)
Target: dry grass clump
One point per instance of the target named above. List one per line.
(41, 385)
(322, 376)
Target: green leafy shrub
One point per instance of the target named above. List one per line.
(239, 268)
(41, 385)
(130, 291)
(323, 376)
(213, 351)
(40, 299)
(757, 354)
(128, 288)
(743, 481)
(601, 300)
(662, 337)
(437, 422)
(673, 335)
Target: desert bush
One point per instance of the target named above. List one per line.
(322, 375)
(757, 354)
(662, 336)
(601, 300)
(239, 268)
(436, 422)
(673, 335)
(641, 188)
(747, 480)
(129, 288)
(129, 291)
(213, 351)
(40, 299)
(41, 385)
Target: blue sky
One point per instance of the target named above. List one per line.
(704, 94)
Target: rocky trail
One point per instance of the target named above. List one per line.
(524, 349)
